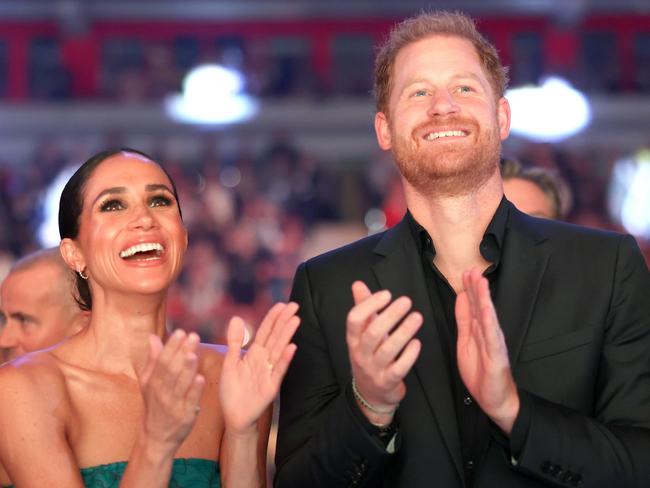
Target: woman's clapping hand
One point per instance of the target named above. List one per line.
(250, 381)
(172, 387)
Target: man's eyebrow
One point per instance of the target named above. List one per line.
(23, 317)
(467, 74)
(473, 77)
(455, 77)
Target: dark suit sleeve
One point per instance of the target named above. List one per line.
(609, 446)
(321, 439)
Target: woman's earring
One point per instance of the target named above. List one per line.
(81, 274)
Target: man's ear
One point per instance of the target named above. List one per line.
(503, 114)
(71, 254)
(382, 130)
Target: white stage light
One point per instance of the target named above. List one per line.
(48, 229)
(211, 96)
(629, 193)
(550, 112)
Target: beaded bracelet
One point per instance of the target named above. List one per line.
(368, 405)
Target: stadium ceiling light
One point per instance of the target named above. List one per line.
(629, 193)
(550, 112)
(212, 95)
(48, 227)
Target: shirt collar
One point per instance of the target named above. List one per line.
(492, 241)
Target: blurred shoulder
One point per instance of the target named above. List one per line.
(564, 232)
(211, 358)
(356, 253)
(37, 366)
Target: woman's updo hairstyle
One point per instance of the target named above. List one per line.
(71, 206)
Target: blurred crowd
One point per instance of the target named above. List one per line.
(246, 216)
(249, 216)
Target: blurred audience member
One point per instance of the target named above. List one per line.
(536, 191)
(37, 304)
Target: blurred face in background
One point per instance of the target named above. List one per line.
(528, 197)
(36, 312)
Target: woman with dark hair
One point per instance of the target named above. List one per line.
(113, 406)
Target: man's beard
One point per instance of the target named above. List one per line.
(447, 171)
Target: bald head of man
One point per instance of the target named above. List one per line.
(37, 304)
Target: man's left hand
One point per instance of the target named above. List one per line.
(482, 353)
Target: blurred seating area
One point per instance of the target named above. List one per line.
(252, 217)
(145, 60)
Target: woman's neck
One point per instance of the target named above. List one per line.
(117, 337)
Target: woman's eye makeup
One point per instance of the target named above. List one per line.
(160, 201)
(155, 200)
(111, 205)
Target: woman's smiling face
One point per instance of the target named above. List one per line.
(131, 235)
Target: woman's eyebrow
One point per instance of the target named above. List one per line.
(110, 191)
(158, 186)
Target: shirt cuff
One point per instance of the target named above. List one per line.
(521, 426)
(387, 436)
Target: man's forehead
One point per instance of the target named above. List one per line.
(35, 283)
(35, 273)
(438, 51)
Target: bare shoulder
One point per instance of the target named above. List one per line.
(37, 371)
(33, 386)
(33, 416)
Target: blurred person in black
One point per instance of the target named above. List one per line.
(480, 346)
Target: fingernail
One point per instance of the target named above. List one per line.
(404, 302)
(384, 295)
(416, 317)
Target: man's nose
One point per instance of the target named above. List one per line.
(9, 335)
(442, 103)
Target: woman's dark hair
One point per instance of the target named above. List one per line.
(71, 205)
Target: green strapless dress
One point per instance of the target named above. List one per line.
(186, 473)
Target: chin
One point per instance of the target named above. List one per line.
(150, 287)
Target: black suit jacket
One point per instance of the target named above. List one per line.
(574, 306)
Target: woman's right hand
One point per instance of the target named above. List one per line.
(171, 387)
(251, 381)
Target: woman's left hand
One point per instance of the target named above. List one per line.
(250, 382)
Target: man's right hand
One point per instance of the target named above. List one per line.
(382, 348)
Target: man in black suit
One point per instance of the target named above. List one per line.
(479, 346)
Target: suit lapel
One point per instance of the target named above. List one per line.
(523, 264)
(401, 272)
